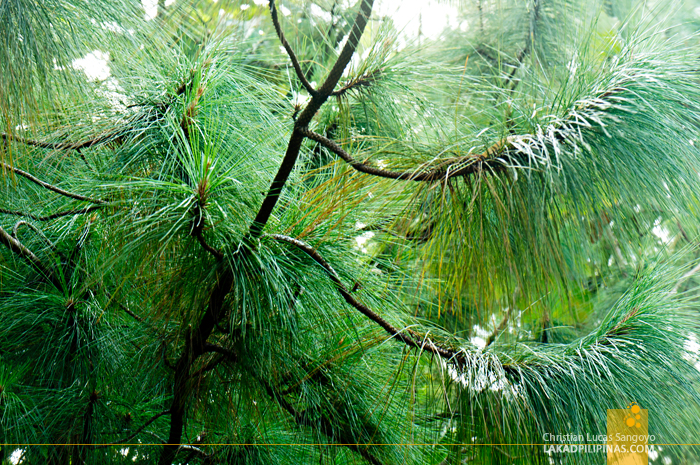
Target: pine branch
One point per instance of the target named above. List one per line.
(135, 433)
(216, 253)
(50, 187)
(529, 44)
(471, 163)
(229, 354)
(52, 216)
(292, 56)
(38, 231)
(365, 80)
(414, 340)
(499, 329)
(208, 367)
(296, 139)
(60, 145)
(19, 249)
(326, 426)
(195, 346)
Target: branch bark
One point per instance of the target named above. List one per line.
(195, 346)
(135, 433)
(50, 187)
(59, 145)
(408, 337)
(292, 56)
(296, 139)
(53, 216)
(19, 249)
(325, 426)
(471, 163)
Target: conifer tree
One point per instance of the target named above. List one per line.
(301, 233)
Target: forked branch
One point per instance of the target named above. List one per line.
(365, 80)
(135, 433)
(296, 139)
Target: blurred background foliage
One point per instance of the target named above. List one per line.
(562, 267)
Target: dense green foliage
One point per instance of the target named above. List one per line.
(267, 233)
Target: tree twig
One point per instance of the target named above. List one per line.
(195, 346)
(60, 145)
(135, 433)
(216, 253)
(50, 187)
(15, 229)
(292, 56)
(325, 426)
(18, 248)
(228, 353)
(499, 329)
(408, 337)
(471, 163)
(52, 216)
(362, 81)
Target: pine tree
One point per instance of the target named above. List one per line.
(296, 233)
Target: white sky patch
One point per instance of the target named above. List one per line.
(14, 457)
(430, 17)
(481, 334)
(362, 241)
(151, 7)
(94, 65)
(299, 99)
(320, 12)
(691, 345)
(661, 232)
(692, 350)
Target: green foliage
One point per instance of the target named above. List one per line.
(480, 237)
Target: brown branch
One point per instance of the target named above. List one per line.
(216, 253)
(224, 355)
(16, 247)
(292, 56)
(50, 187)
(365, 80)
(135, 433)
(15, 229)
(60, 145)
(472, 163)
(53, 216)
(228, 353)
(208, 367)
(325, 426)
(195, 345)
(130, 313)
(296, 139)
(410, 338)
